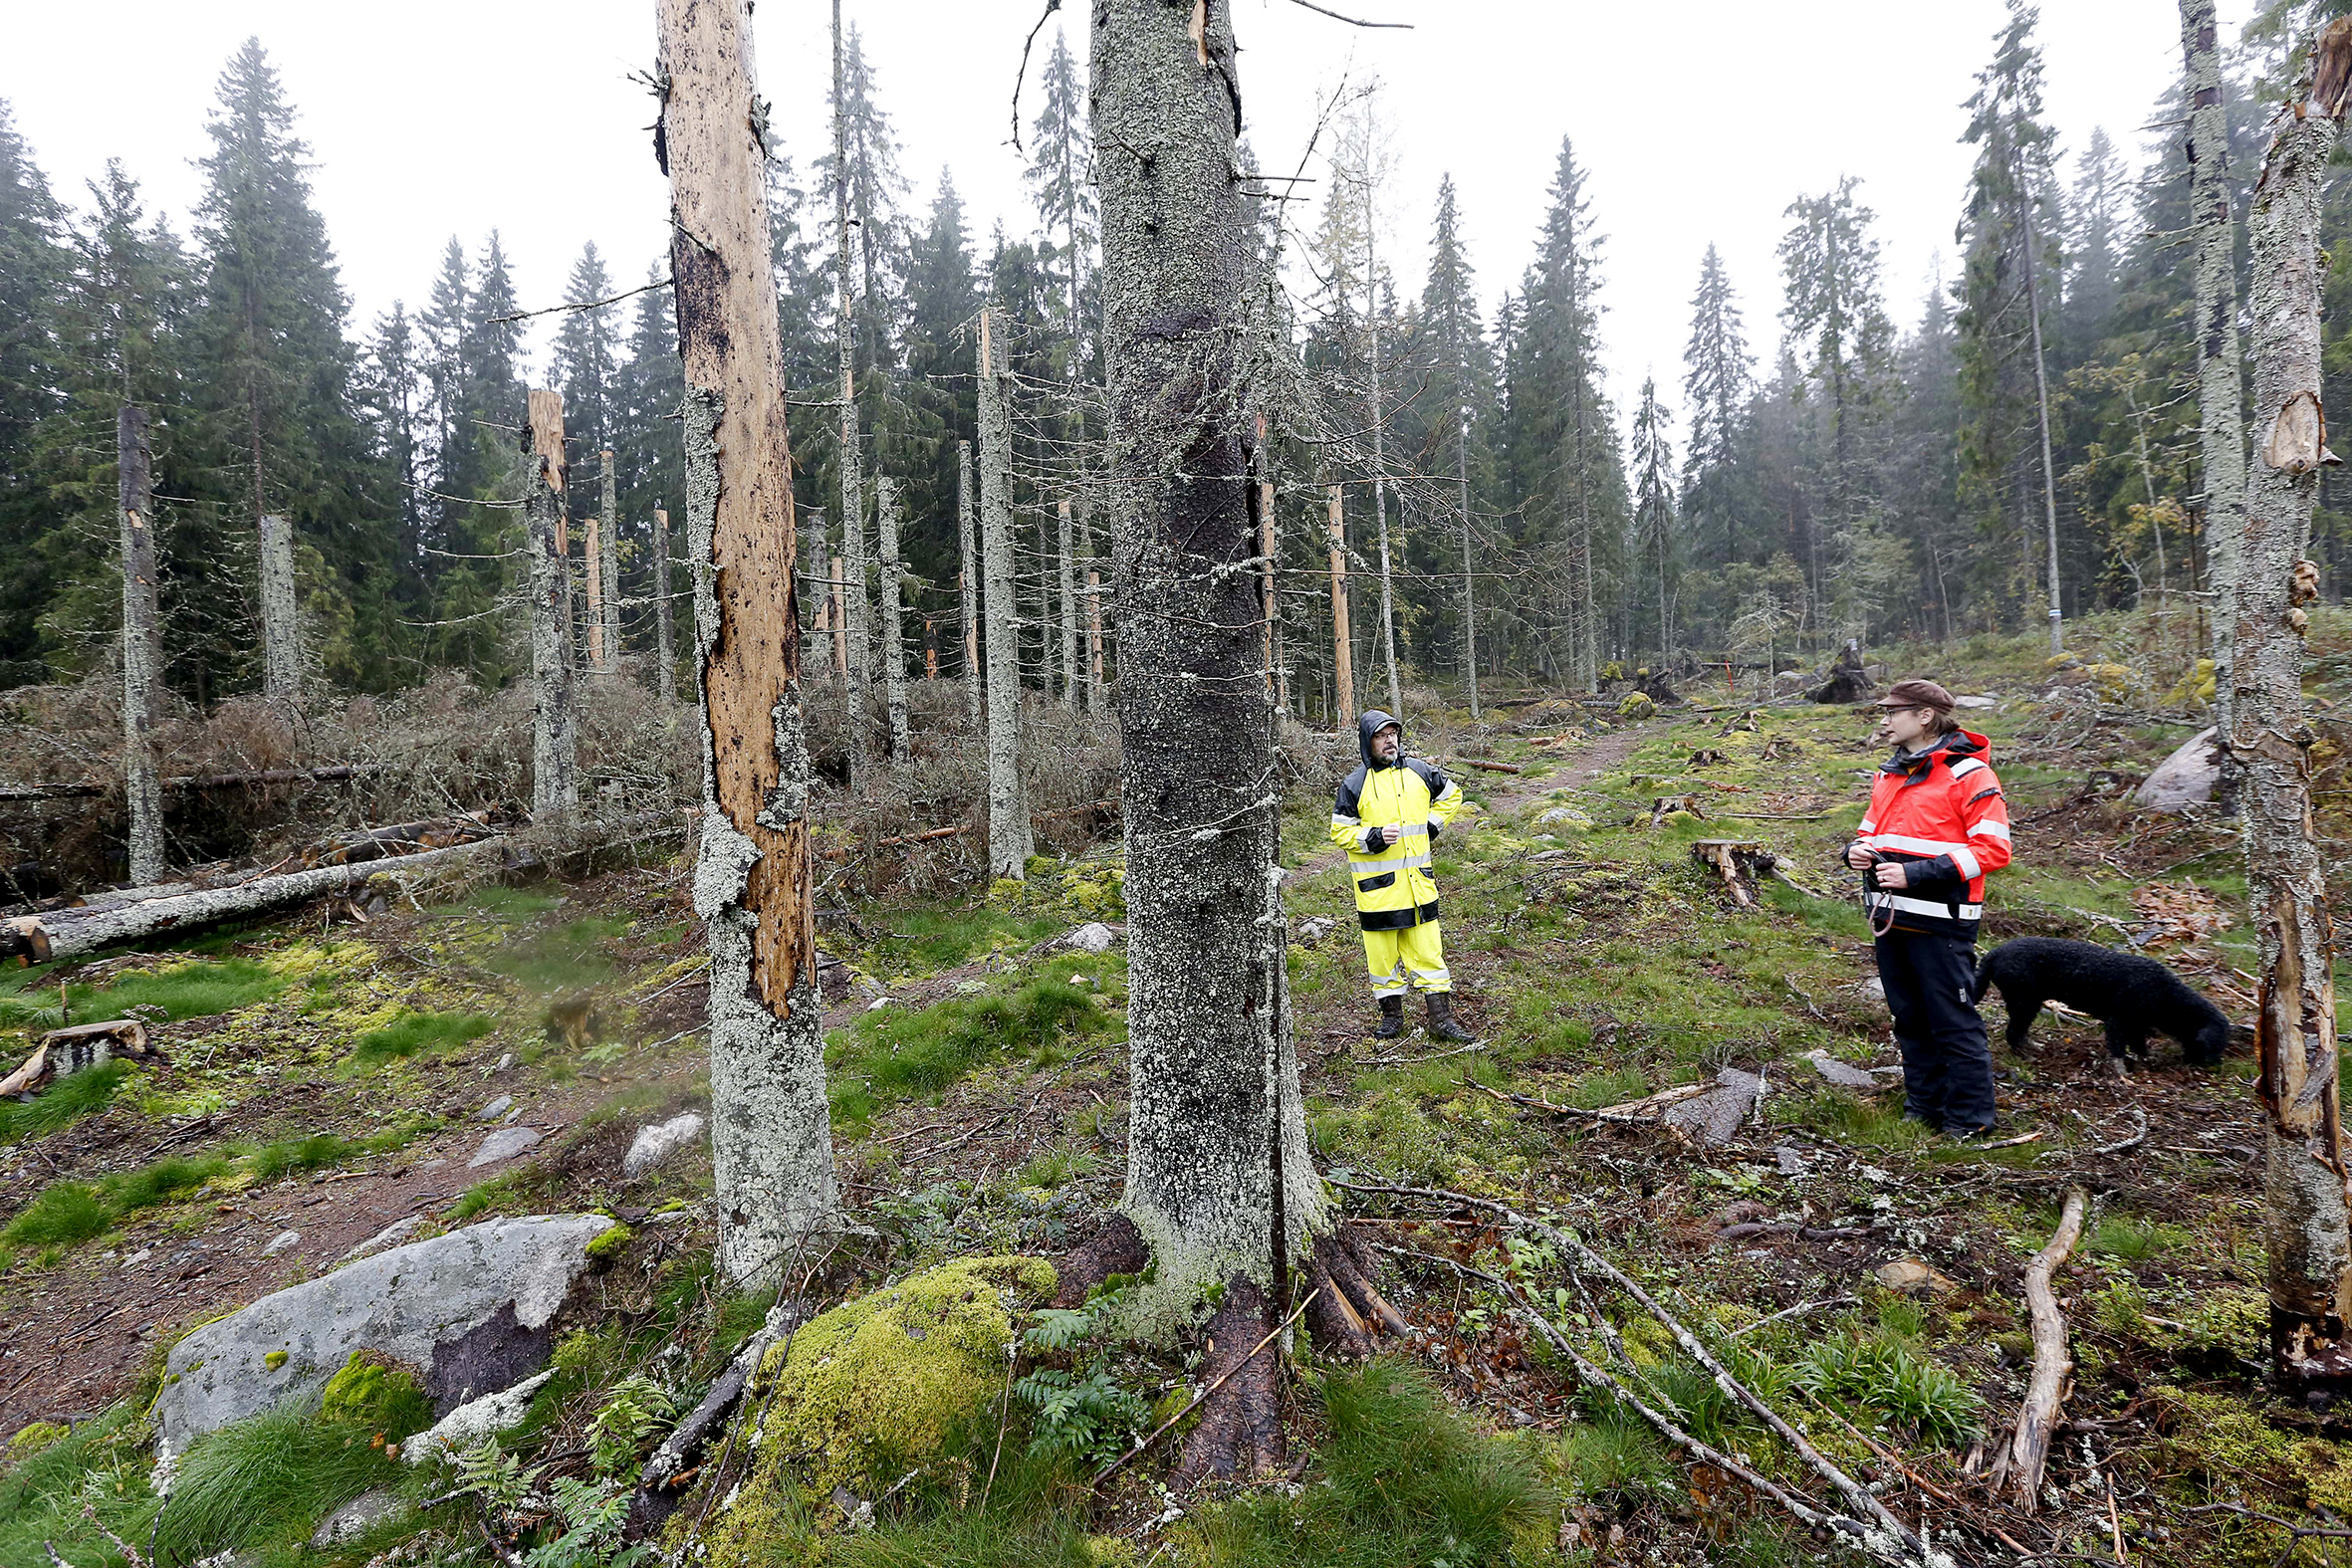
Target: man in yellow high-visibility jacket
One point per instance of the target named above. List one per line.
(1387, 816)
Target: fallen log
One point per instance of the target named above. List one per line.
(89, 790)
(398, 839)
(2029, 1446)
(1493, 768)
(69, 933)
(76, 1048)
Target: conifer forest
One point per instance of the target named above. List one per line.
(1183, 875)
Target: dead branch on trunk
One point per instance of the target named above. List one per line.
(2029, 1448)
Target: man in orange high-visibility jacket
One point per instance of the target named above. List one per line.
(1937, 824)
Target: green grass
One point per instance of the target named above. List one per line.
(571, 957)
(483, 1196)
(1403, 1481)
(64, 1102)
(2129, 1240)
(102, 1460)
(415, 1031)
(1614, 1452)
(266, 1481)
(65, 1213)
(1880, 1372)
(897, 1055)
(173, 1177)
(924, 939)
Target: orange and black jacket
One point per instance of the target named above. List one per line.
(1938, 811)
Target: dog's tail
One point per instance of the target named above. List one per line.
(1984, 978)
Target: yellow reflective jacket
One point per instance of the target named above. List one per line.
(1394, 887)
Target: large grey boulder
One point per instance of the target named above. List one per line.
(473, 1311)
(2185, 778)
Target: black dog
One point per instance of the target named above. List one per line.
(2132, 996)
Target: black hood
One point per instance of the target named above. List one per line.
(1960, 743)
(1372, 724)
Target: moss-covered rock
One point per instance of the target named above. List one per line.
(871, 1390)
(1637, 704)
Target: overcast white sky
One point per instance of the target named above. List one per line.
(1698, 122)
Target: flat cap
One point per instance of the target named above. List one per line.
(1917, 694)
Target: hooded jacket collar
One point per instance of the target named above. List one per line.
(1372, 724)
(1955, 745)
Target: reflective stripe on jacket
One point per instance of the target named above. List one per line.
(1940, 813)
(1394, 887)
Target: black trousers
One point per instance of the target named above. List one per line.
(1946, 1061)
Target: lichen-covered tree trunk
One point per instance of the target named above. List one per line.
(1215, 1111)
(665, 646)
(609, 514)
(1342, 641)
(554, 749)
(592, 550)
(851, 635)
(281, 613)
(1396, 700)
(2221, 439)
(892, 652)
(968, 579)
(771, 1135)
(1097, 701)
(1009, 842)
(143, 645)
(1065, 559)
(1468, 575)
(2310, 1244)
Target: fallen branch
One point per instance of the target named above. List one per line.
(1573, 1251)
(1595, 1377)
(1401, 1061)
(1800, 1310)
(1641, 1110)
(1493, 768)
(1113, 1468)
(269, 776)
(2029, 1448)
(2138, 1136)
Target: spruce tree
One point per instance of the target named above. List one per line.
(1453, 369)
(33, 265)
(1655, 545)
(1719, 376)
(1835, 321)
(273, 368)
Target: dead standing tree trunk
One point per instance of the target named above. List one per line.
(610, 517)
(968, 579)
(2222, 442)
(1221, 1186)
(1008, 841)
(849, 626)
(143, 647)
(771, 1137)
(554, 748)
(1070, 611)
(892, 652)
(665, 647)
(1342, 641)
(592, 551)
(2310, 1273)
(280, 614)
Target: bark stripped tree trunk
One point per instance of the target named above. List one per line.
(143, 645)
(2311, 1242)
(893, 649)
(665, 647)
(849, 633)
(1396, 701)
(1009, 842)
(280, 614)
(2222, 441)
(771, 1135)
(611, 513)
(1342, 641)
(968, 579)
(1067, 566)
(2042, 396)
(592, 552)
(1220, 1181)
(554, 748)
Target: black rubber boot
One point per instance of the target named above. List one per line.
(1392, 1019)
(1441, 1021)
